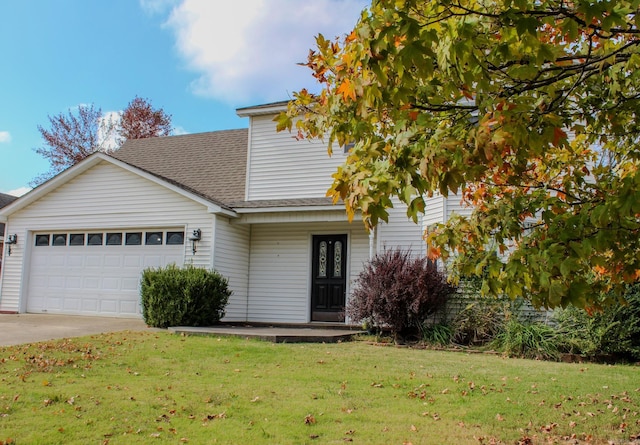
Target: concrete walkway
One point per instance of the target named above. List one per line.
(17, 329)
(289, 334)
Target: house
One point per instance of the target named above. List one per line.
(249, 203)
(4, 200)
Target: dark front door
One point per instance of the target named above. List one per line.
(329, 284)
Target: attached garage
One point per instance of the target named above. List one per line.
(97, 272)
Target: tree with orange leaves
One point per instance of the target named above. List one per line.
(529, 109)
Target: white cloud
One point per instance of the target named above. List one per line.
(157, 6)
(249, 49)
(5, 136)
(179, 131)
(108, 139)
(19, 191)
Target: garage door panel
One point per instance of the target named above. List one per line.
(132, 261)
(72, 304)
(130, 284)
(75, 261)
(93, 280)
(91, 283)
(113, 261)
(93, 261)
(56, 282)
(74, 283)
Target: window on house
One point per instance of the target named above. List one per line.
(60, 239)
(153, 238)
(133, 238)
(94, 239)
(42, 240)
(76, 239)
(347, 147)
(114, 239)
(174, 238)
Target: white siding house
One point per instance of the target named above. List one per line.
(256, 196)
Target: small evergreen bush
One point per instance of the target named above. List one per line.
(189, 296)
(398, 292)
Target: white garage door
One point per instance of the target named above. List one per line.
(97, 272)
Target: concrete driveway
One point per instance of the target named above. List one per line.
(16, 329)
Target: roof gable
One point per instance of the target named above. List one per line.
(211, 164)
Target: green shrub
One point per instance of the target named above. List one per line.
(398, 292)
(527, 339)
(613, 332)
(438, 334)
(189, 296)
(479, 322)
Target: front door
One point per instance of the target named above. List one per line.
(329, 283)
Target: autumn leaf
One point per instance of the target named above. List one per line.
(309, 419)
(347, 90)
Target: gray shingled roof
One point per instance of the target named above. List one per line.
(4, 201)
(272, 203)
(212, 165)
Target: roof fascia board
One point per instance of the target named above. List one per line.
(90, 162)
(261, 109)
(285, 209)
(52, 184)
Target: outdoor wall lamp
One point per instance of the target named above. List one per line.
(194, 238)
(11, 239)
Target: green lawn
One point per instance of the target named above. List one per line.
(153, 387)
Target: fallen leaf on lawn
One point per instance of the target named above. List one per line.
(255, 399)
(414, 428)
(309, 419)
(313, 436)
(184, 439)
(154, 435)
(350, 432)
(445, 391)
(499, 417)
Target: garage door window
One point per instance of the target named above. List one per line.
(175, 238)
(42, 240)
(153, 238)
(133, 239)
(114, 239)
(95, 239)
(76, 239)
(60, 239)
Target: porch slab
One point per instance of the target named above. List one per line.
(272, 333)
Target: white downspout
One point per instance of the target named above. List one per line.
(372, 236)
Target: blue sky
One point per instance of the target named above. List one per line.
(197, 59)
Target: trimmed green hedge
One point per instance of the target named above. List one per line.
(188, 296)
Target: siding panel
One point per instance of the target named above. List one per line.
(231, 259)
(308, 166)
(401, 232)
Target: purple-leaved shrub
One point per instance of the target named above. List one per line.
(398, 291)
